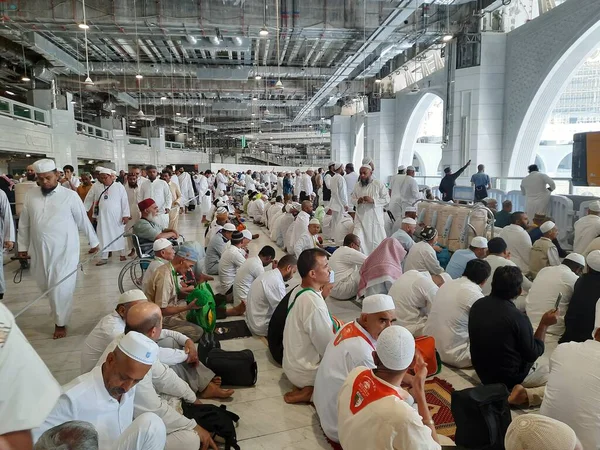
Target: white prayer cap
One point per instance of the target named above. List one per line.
(247, 234)
(331, 163)
(272, 200)
(366, 166)
(593, 260)
(377, 303)
(576, 258)
(44, 165)
(221, 210)
(396, 348)
(594, 206)
(367, 160)
(133, 295)
(338, 165)
(479, 242)
(113, 172)
(297, 206)
(99, 168)
(289, 207)
(409, 221)
(547, 226)
(161, 244)
(106, 171)
(138, 347)
(411, 168)
(229, 227)
(314, 222)
(537, 432)
(402, 167)
(410, 209)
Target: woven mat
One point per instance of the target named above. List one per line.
(234, 329)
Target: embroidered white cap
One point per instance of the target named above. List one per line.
(377, 303)
(409, 221)
(229, 227)
(366, 166)
(479, 242)
(161, 244)
(138, 347)
(105, 171)
(314, 222)
(594, 206)
(547, 226)
(401, 167)
(44, 165)
(576, 258)
(536, 431)
(410, 168)
(132, 295)
(410, 209)
(396, 348)
(247, 234)
(593, 260)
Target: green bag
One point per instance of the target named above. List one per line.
(206, 316)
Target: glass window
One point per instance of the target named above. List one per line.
(39, 116)
(4, 106)
(22, 111)
(98, 132)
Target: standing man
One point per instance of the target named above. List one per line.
(481, 182)
(587, 228)
(288, 187)
(351, 178)
(159, 191)
(369, 196)
(203, 195)
(7, 234)
(111, 209)
(306, 188)
(85, 186)
(409, 191)
(221, 181)
(537, 188)
(177, 201)
(338, 194)
(187, 191)
(449, 180)
(72, 181)
(49, 226)
(327, 183)
(134, 196)
(395, 184)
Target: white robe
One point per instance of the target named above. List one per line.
(134, 196)
(7, 232)
(221, 182)
(396, 184)
(300, 227)
(49, 228)
(346, 263)
(159, 191)
(413, 295)
(339, 200)
(369, 224)
(306, 242)
(204, 200)
(187, 190)
(280, 186)
(586, 230)
(519, 245)
(263, 297)
(113, 205)
(537, 196)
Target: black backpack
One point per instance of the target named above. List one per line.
(236, 368)
(482, 416)
(276, 325)
(219, 422)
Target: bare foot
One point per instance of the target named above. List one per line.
(296, 395)
(255, 236)
(518, 396)
(214, 391)
(236, 310)
(217, 381)
(123, 258)
(59, 332)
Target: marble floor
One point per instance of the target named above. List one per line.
(267, 422)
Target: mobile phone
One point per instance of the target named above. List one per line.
(331, 276)
(558, 299)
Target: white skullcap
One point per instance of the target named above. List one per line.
(289, 207)
(479, 242)
(105, 171)
(411, 168)
(377, 303)
(537, 432)
(576, 258)
(297, 206)
(593, 260)
(113, 172)
(367, 161)
(594, 206)
(229, 227)
(133, 295)
(547, 226)
(338, 165)
(366, 166)
(221, 210)
(409, 221)
(396, 348)
(402, 167)
(161, 244)
(331, 163)
(44, 165)
(99, 168)
(410, 209)
(138, 347)
(272, 200)
(314, 222)
(247, 234)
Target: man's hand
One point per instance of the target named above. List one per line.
(274, 264)
(94, 249)
(368, 199)
(360, 200)
(125, 220)
(8, 245)
(192, 305)
(549, 318)
(326, 290)
(420, 369)
(197, 402)
(205, 440)
(23, 255)
(468, 162)
(192, 352)
(185, 288)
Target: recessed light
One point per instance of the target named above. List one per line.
(25, 78)
(177, 114)
(84, 26)
(447, 38)
(257, 77)
(139, 76)
(27, 155)
(9, 92)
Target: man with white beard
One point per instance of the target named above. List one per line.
(369, 196)
(185, 184)
(111, 209)
(49, 226)
(159, 191)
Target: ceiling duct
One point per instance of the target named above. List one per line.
(215, 44)
(236, 74)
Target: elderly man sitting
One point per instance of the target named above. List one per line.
(216, 247)
(346, 262)
(477, 250)
(310, 239)
(147, 229)
(544, 253)
(405, 234)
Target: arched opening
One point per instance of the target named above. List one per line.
(540, 163)
(565, 166)
(359, 148)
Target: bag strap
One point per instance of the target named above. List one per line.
(296, 297)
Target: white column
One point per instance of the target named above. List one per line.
(341, 138)
(158, 149)
(64, 138)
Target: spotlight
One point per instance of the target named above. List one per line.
(263, 31)
(84, 26)
(447, 38)
(139, 76)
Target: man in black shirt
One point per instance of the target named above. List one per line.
(504, 348)
(449, 180)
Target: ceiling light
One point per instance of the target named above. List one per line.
(139, 76)
(84, 26)
(88, 81)
(279, 85)
(447, 38)
(27, 155)
(9, 92)
(251, 124)
(377, 80)
(322, 118)
(263, 31)
(163, 98)
(25, 78)
(257, 77)
(177, 114)
(140, 113)
(254, 98)
(132, 126)
(113, 110)
(253, 114)
(73, 102)
(133, 123)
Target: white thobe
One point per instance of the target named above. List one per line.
(369, 223)
(572, 394)
(422, 257)
(29, 391)
(297, 184)
(263, 297)
(285, 223)
(448, 320)
(537, 196)
(249, 271)
(300, 227)
(204, 200)
(273, 177)
(409, 194)
(274, 211)
(396, 184)
(586, 230)
(306, 184)
(351, 179)
(306, 241)
(346, 263)
(232, 259)
(7, 232)
(413, 294)
(307, 332)
(518, 244)
(187, 190)
(134, 196)
(280, 186)
(113, 205)
(339, 197)
(250, 184)
(387, 423)
(496, 261)
(344, 227)
(352, 347)
(221, 182)
(159, 191)
(49, 228)
(86, 398)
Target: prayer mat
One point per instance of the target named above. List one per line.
(232, 330)
(438, 394)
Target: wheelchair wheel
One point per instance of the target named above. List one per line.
(132, 273)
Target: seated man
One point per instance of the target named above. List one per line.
(308, 325)
(535, 232)
(72, 435)
(352, 347)
(381, 268)
(514, 359)
(503, 216)
(147, 229)
(413, 295)
(343, 228)
(449, 316)
(405, 234)
(544, 253)
(517, 240)
(91, 398)
(233, 258)
(310, 239)
(109, 327)
(572, 394)
(542, 296)
(265, 294)
(283, 223)
(579, 319)
(422, 256)
(373, 411)
(216, 247)
(168, 293)
(163, 253)
(460, 258)
(346, 262)
(537, 432)
(250, 270)
(221, 218)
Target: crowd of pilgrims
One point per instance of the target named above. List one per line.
(514, 306)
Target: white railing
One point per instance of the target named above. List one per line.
(92, 131)
(134, 140)
(22, 111)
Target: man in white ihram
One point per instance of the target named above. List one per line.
(49, 226)
(187, 191)
(104, 397)
(587, 228)
(537, 188)
(339, 194)
(159, 191)
(7, 235)
(369, 196)
(111, 209)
